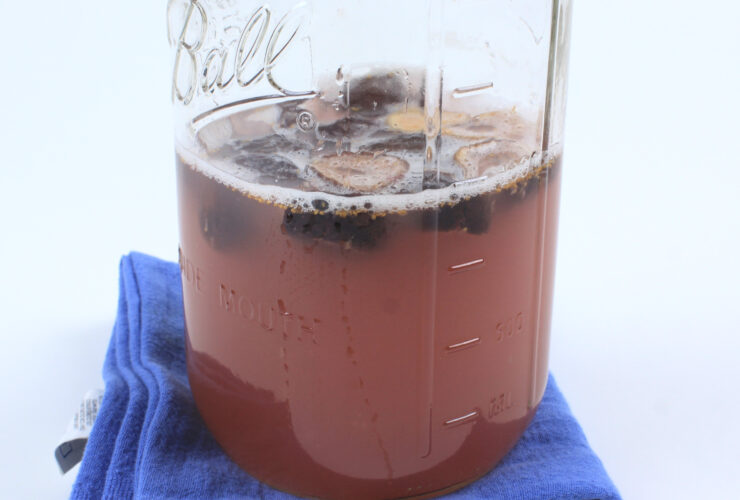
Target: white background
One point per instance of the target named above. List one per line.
(646, 334)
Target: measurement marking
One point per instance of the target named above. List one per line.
(463, 345)
(471, 90)
(464, 419)
(470, 181)
(459, 268)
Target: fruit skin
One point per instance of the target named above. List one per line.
(489, 157)
(360, 172)
(503, 125)
(413, 121)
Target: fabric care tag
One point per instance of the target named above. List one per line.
(72, 445)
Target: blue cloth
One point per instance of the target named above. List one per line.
(149, 441)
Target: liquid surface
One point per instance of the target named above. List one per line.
(359, 327)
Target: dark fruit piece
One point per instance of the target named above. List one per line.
(361, 230)
(477, 213)
(472, 215)
(353, 126)
(289, 114)
(444, 218)
(320, 205)
(373, 93)
(221, 228)
(415, 143)
(266, 145)
(272, 166)
(433, 181)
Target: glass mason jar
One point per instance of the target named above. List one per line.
(368, 201)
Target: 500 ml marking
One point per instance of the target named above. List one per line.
(509, 328)
(267, 316)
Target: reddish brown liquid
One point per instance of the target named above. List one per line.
(331, 371)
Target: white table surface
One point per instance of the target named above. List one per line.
(646, 328)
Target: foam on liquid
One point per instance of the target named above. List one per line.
(202, 155)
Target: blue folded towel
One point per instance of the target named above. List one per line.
(149, 442)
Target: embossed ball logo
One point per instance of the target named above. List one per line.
(208, 59)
